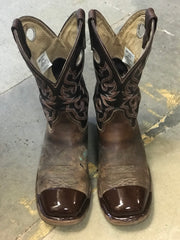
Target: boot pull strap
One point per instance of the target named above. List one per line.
(18, 28)
(80, 14)
(81, 18)
(150, 16)
(92, 16)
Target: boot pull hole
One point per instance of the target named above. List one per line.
(79, 58)
(96, 56)
(140, 30)
(31, 34)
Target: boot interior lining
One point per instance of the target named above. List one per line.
(44, 40)
(127, 36)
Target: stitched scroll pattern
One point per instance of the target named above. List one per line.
(112, 95)
(71, 96)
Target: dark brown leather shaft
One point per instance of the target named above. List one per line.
(63, 169)
(124, 183)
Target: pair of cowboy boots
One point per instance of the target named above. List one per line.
(63, 186)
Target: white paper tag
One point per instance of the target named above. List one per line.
(43, 62)
(128, 57)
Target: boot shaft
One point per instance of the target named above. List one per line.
(119, 60)
(57, 63)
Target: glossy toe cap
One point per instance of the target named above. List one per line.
(63, 203)
(124, 201)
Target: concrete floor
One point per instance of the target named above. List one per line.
(23, 123)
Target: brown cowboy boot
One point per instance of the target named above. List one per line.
(124, 183)
(63, 186)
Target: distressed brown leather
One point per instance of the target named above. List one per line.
(63, 170)
(124, 182)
